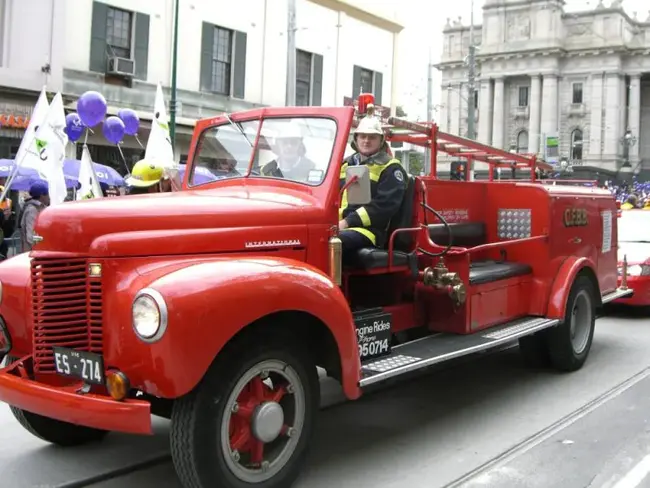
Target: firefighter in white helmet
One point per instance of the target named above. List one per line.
(291, 162)
(366, 225)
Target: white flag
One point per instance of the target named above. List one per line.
(23, 157)
(90, 187)
(49, 148)
(159, 145)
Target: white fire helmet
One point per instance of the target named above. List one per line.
(290, 131)
(369, 125)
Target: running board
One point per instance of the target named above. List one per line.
(438, 348)
(616, 294)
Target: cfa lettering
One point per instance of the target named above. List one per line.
(575, 217)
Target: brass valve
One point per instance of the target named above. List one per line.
(624, 273)
(441, 278)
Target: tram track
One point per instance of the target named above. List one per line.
(539, 437)
(499, 460)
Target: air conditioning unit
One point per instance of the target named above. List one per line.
(121, 66)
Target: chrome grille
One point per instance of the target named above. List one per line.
(67, 309)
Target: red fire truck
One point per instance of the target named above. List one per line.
(214, 305)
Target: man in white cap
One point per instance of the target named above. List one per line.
(291, 162)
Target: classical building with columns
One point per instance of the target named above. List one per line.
(563, 85)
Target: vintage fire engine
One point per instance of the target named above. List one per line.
(214, 305)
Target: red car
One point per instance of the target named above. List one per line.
(634, 242)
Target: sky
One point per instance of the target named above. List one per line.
(424, 21)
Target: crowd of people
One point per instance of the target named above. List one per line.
(18, 214)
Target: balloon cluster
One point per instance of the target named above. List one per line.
(91, 110)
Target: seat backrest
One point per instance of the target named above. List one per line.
(403, 219)
(464, 234)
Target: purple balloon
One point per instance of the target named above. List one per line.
(91, 108)
(113, 129)
(131, 121)
(74, 127)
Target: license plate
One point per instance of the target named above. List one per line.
(374, 335)
(83, 365)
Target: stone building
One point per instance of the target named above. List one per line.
(564, 85)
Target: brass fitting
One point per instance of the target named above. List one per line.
(433, 276)
(335, 258)
(624, 273)
(441, 278)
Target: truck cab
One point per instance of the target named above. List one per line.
(214, 305)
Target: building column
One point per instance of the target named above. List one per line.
(596, 120)
(535, 110)
(549, 125)
(634, 115)
(613, 106)
(485, 109)
(498, 121)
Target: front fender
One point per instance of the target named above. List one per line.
(209, 302)
(561, 287)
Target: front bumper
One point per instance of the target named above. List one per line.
(65, 404)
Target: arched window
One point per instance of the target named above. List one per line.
(522, 142)
(576, 145)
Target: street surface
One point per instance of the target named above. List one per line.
(488, 422)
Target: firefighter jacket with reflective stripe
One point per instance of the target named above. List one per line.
(388, 181)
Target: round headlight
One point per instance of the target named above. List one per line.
(149, 315)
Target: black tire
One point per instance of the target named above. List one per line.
(534, 350)
(198, 436)
(55, 431)
(569, 346)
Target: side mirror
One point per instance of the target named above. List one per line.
(358, 190)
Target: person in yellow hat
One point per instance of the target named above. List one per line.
(146, 177)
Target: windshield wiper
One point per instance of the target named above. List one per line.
(637, 242)
(239, 128)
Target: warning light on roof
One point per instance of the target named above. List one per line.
(366, 101)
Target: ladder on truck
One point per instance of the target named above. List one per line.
(429, 136)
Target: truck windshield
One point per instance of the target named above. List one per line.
(296, 149)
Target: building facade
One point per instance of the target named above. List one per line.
(230, 59)
(562, 85)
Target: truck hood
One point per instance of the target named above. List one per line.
(90, 226)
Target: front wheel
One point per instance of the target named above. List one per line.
(55, 431)
(570, 342)
(249, 421)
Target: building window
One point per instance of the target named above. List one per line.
(119, 31)
(576, 145)
(523, 96)
(577, 93)
(221, 60)
(367, 81)
(475, 99)
(522, 142)
(303, 78)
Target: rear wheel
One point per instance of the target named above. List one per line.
(570, 342)
(249, 421)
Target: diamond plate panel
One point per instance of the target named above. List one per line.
(500, 334)
(514, 223)
(389, 363)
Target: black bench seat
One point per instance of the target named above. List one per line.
(481, 272)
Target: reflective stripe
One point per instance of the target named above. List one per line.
(363, 215)
(366, 233)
